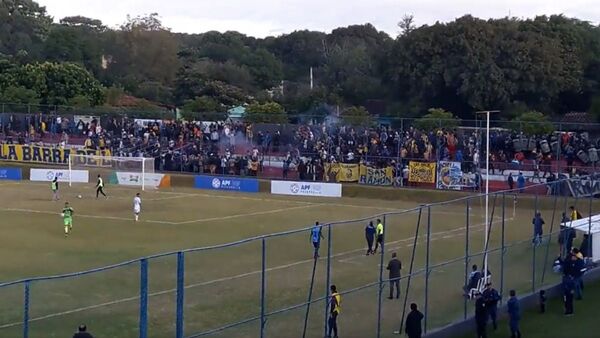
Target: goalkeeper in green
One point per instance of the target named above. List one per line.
(67, 215)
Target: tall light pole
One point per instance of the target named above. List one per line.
(487, 189)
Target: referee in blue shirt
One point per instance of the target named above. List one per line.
(315, 236)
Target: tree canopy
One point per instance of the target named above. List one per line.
(545, 64)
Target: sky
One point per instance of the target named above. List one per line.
(262, 18)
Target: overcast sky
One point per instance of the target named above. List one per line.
(261, 18)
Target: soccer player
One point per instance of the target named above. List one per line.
(100, 187)
(315, 235)
(67, 215)
(137, 206)
(54, 187)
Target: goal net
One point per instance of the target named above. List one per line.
(128, 171)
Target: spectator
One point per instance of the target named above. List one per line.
(521, 182)
(473, 281)
(370, 236)
(538, 223)
(394, 266)
(514, 314)
(568, 289)
(577, 269)
(82, 332)
(413, 322)
(491, 298)
(334, 311)
(480, 316)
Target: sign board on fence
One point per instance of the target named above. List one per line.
(585, 186)
(47, 175)
(135, 179)
(42, 154)
(373, 176)
(343, 172)
(421, 172)
(306, 189)
(13, 174)
(226, 183)
(450, 176)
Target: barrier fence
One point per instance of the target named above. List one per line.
(271, 286)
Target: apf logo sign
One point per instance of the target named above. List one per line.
(50, 175)
(216, 183)
(294, 188)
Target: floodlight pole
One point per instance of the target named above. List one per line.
(487, 188)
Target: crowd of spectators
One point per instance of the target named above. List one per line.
(235, 147)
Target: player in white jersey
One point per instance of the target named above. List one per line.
(137, 206)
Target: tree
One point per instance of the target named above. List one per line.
(406, 24)
(534, 123)
(357, 116)
(24, 26)
(436, 118)
(20, 95)
(82, 21)
(269, 112)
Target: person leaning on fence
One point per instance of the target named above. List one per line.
(370, 237)
(514, 315)
(82, 332)
(394, 266)
(379, 234)
(334, 311)
(413, 322)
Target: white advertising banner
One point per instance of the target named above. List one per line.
(47, 175)
(135, 179)
(306, 189)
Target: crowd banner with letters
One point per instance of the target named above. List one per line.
(421, 172)
(343, 172)
(135, 179)
(47, 175)
(306, 189)
(43, 154)
(226, 183)
(374, 176)
(585, 186)
(12, 174)
(451, 177)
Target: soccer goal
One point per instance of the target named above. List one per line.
(128, 171)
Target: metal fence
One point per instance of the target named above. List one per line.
(271, 286)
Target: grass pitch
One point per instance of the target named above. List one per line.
(222, 286)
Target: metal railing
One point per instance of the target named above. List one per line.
(278, 289)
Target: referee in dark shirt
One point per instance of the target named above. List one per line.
(394, 266)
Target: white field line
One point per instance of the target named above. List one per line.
(81, 215)
(266, 212)
(214, 281)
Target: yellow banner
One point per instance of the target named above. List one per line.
(373, 176)
(41, 154)
(343, 172)
(421, 172)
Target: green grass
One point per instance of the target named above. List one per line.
(223, 285)
(554, 324)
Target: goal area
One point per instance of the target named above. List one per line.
(129, 171)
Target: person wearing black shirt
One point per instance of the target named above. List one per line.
(394, 266)
(491, 298)
(82, 332)
(370, 237)
(413, 322)
(480, 316)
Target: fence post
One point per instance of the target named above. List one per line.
(263, 286)
(468, 213)
(180, 291)
(143, 298)
(381, 280)
(534, 249)
(26, 310)
(328, 278)
(589, 239)
(427, 268)
(502, 244)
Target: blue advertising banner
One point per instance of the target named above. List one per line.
(13, 174)
(226, 183)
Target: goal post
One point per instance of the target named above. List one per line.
(135, 168)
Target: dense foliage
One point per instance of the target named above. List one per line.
(545, 64)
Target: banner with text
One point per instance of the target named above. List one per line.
(342, 172)
(47, 175)
(306, 189)
(135, 179)
(585, 186)
(451, 177)
(421, 172)
(12, 174)
(373, 176)
(226, 183)
(43, 154)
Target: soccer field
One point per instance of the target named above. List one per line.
(222, 286)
